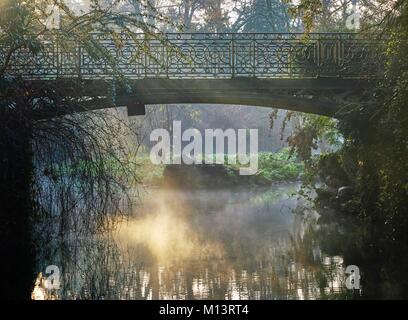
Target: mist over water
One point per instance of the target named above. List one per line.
(202, 244)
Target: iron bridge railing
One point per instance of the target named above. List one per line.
(205, 56)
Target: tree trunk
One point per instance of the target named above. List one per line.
(16, 247)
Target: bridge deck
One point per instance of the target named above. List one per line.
(203, 56)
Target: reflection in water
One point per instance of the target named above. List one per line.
(40, 292)
(218, 244)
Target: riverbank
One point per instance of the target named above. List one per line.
(272, 168)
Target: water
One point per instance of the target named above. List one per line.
(202, 244)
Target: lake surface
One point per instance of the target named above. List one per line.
(202, 244)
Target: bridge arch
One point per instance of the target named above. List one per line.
(318, 96)
(321, 96)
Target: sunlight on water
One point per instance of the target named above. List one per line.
(165, 231)
(40, 292)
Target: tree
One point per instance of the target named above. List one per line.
(71, 168)
(215, 17)
(183, 13)
(375, 146)
(261, 16)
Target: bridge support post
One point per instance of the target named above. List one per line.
(136, 109)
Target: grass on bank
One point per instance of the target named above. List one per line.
(272, 167)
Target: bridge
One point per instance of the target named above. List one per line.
(285, 70)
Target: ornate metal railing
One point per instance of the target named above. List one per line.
(205, 56)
